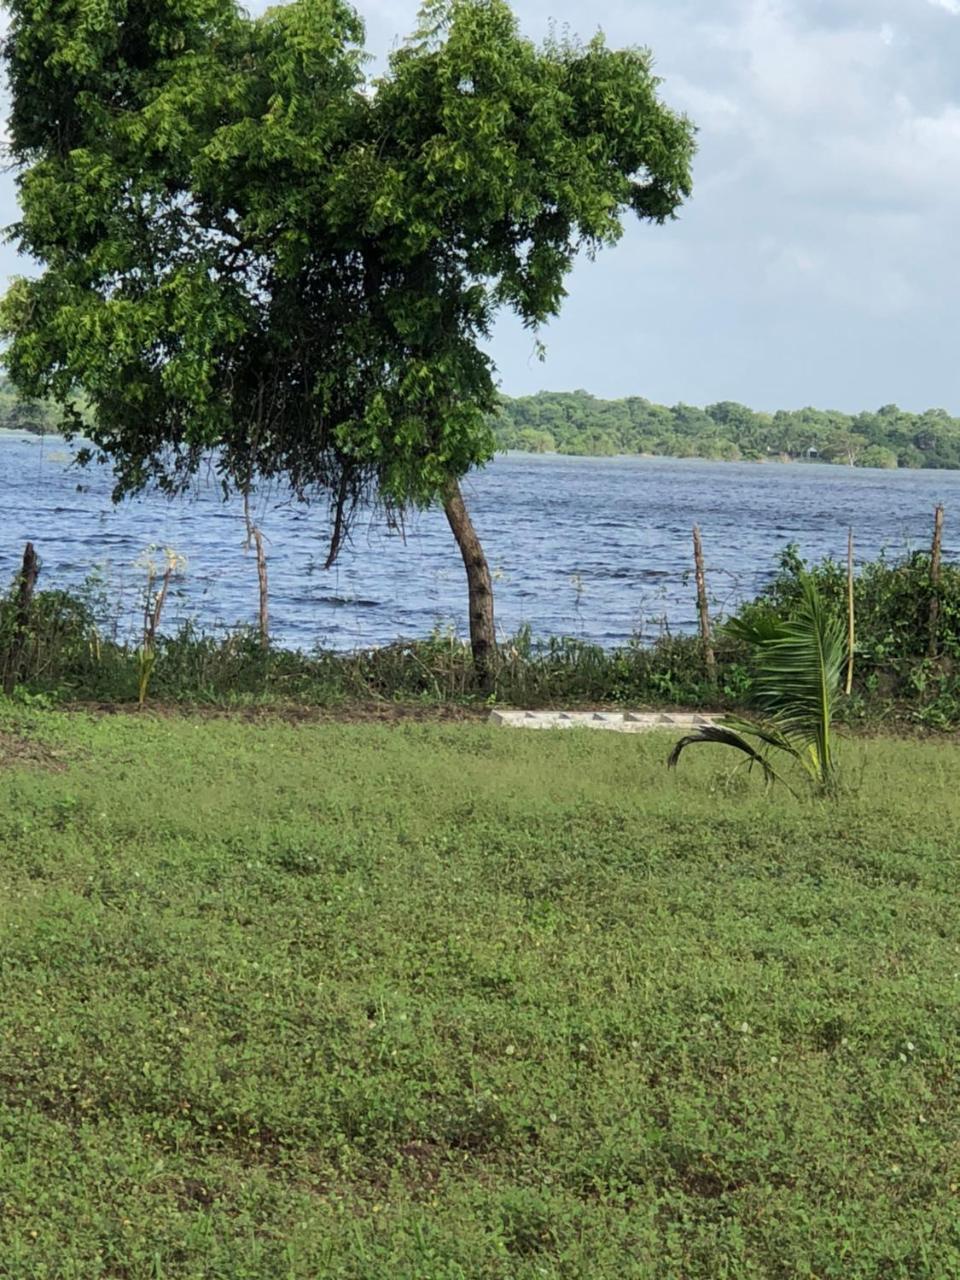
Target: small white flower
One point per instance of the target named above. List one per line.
(511, 1050)
(910, 1046)
(745, 1028)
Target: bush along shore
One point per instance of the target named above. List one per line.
(55, 650)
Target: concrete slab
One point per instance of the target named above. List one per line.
(615, 721)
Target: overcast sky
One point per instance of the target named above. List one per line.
(817, 262)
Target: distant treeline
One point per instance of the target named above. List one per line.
(576, 422)
(24, 415)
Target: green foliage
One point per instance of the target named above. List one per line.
(247, 245)
(798, 662)
(17, 414)
(62, 636)
(74, 653)
(893, 608)
(578, 423)
(453, 1002)
(892, 603)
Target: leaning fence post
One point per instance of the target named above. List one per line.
(703, 607)
(21, 622)
(935, 554)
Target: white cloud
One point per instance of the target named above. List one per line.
(951, 6)
(802, 72)
(709, 110)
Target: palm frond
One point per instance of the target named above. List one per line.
(765, 731)
(801, 675)
(717, 733)
(800, 662)
(755, 630)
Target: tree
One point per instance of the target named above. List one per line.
(844, 446)
(533, 441)
(875, 455)
(248, 247)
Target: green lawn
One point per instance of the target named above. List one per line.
(454, 1002)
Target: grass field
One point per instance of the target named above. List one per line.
(448, 1003)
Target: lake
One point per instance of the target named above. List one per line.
(593, 547)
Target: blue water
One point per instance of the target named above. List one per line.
(598, 548)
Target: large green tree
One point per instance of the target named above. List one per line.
(248, 247)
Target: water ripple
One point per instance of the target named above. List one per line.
(596, 548)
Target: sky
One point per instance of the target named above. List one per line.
(816, 263)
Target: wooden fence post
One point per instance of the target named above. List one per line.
(703, 607)
(851, 617)
(253, 531)
(21, 623)
(936, 550)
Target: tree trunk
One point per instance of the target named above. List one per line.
(483, 639)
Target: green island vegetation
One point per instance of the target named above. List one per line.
(36, 417)
(465, 1003)
(575, 422)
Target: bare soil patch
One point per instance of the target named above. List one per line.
(297, 713)
(17, 750)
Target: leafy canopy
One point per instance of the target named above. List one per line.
(247, 245)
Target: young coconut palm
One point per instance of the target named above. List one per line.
(800, 665)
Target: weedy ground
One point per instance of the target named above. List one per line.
(446, 1002)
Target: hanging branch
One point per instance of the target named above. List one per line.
(342, 511)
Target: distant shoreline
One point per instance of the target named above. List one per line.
(576, 423)
(14, 435)
(19, 433)
(776, 460)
